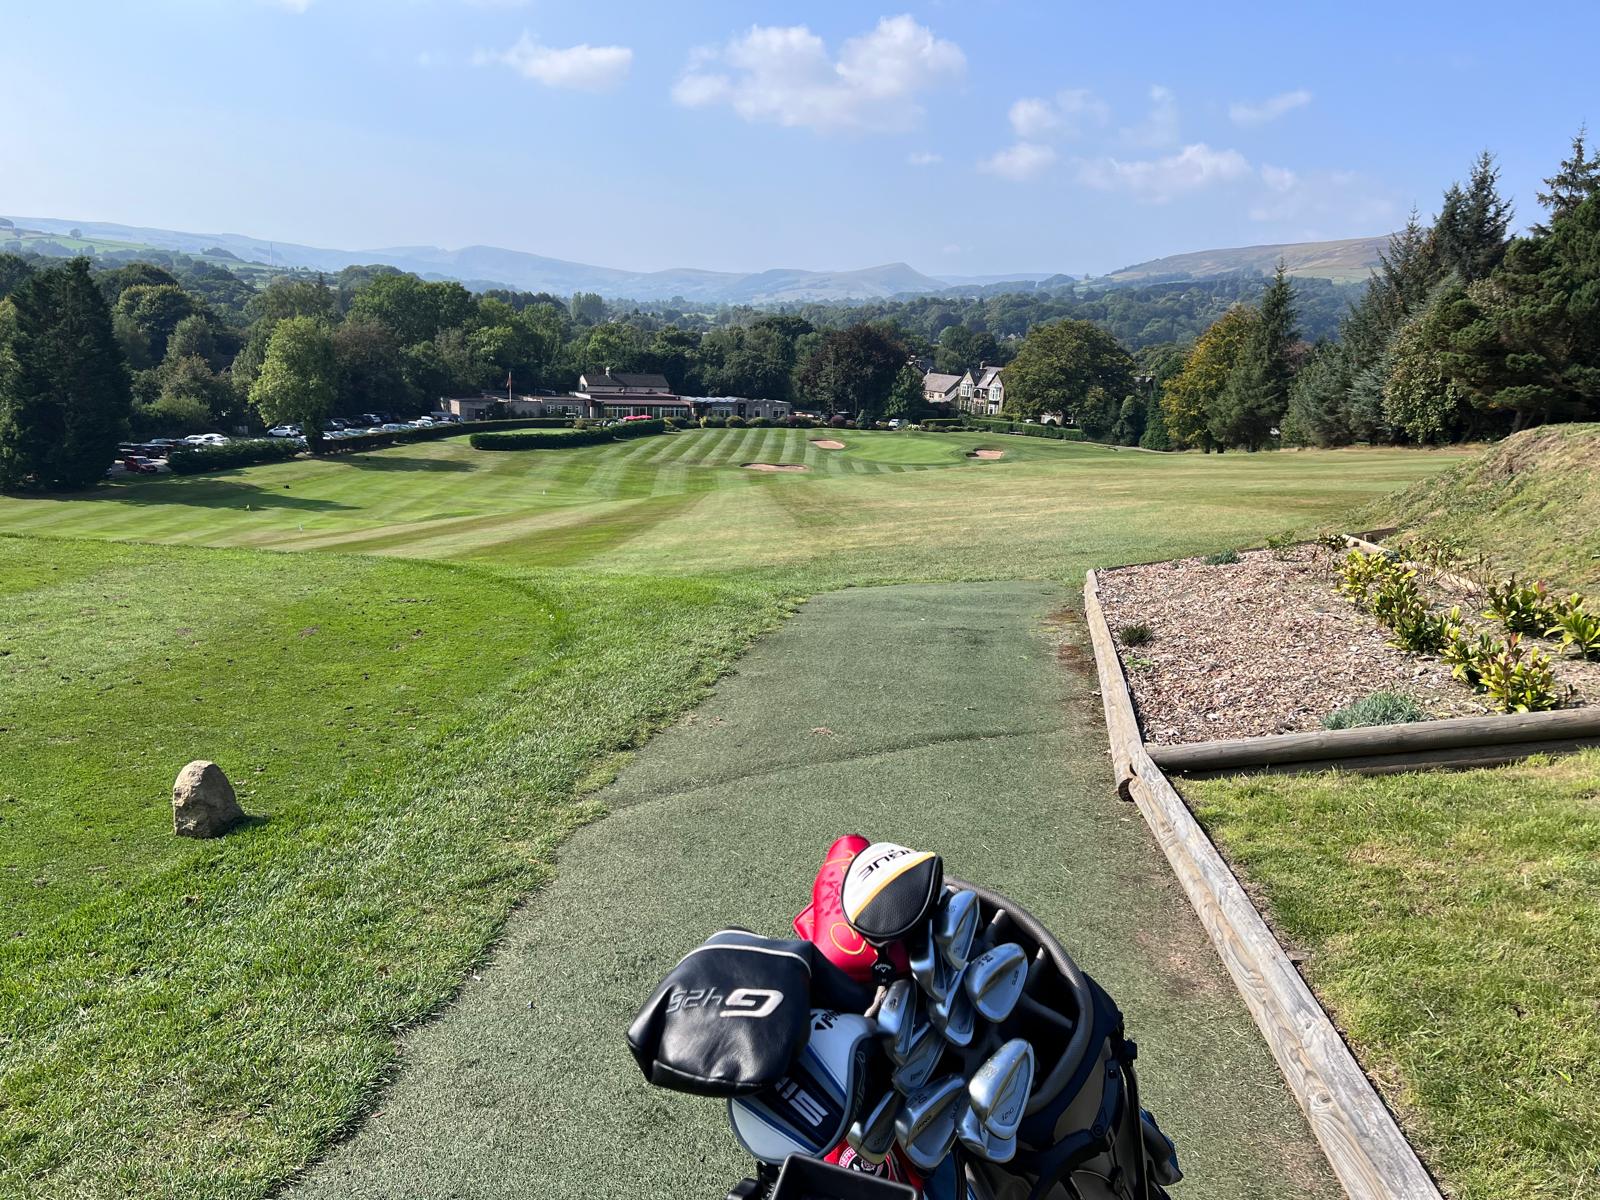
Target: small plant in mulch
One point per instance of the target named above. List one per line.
(1135, 635)
(1135, 663)
(1281, 544)
(1380, 708)
(1225, 558)
(1576, 626)
(1518, 678)
(1521, 607)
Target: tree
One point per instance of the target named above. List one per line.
(588, 308)
(193, 337)
(1188, 398)
(1256, 396)
(64, 394)
(1575, 182)
(852, 370)
(905, 397)
(1129, 425)
(298, 381)
(370, 369)
(1470, 232)
(413, 309)
(962, 348)
(1060, 364)
(288, 296)
(155, 310)
(1421, 397)
(14, 272)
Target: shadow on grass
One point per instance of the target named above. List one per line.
(371, 462)
(204, 493)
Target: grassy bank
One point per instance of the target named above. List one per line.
(1449, 925)
(416, 736)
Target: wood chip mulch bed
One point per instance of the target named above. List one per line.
(1266, 645)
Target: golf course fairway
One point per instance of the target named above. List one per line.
(953, 717)
(422, 667)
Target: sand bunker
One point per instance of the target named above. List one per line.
(987, 454)
(827, 444)
(774, 467)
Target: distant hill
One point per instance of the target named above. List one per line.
(1343, 262)
(490, 266)
(483, 267)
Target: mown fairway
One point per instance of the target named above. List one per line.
(416, 736)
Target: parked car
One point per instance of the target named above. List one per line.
(391, 427)
(138, 464)
(896, 423)
(205, 439)
(284, 431)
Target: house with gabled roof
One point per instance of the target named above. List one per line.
(982, 392)
(614, 394)
(940, 389)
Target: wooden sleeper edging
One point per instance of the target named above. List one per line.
(1365, 1147)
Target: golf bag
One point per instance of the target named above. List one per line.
(1084, 1135)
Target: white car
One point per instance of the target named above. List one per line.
(391, 427)
(285, 431)
(205, 439)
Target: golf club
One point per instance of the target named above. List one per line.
(897, 1017)
(927, 1122)
(927, 1047)
(928, 967)
(871, 1136)
(994, 980)
(954, 1016)
(981, 1143)
(955, 924)
(999, 1089)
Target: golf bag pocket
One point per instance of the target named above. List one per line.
(729, 1018)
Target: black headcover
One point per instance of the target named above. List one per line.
(730, 1017)
(889, 891)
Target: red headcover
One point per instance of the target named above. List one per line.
(823, 921)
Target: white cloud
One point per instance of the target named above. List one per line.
(1159, 180)
(1320, 204)
(1269, 109)
(784, 75)
(924, 158)
(1069, 112)
(1019, 162)
(1159, 129)
(582, 67)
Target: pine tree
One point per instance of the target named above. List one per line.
(64, 393)
(1257, 393)
(1575, 182)
(1470, 232)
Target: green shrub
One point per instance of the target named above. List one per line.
(1223, 558)
(713, 421)
(1520, 607)
(936, 424)
(1380, 708)
(1281, 543)
(1576, 627)
(561, 439)
(736, 422)
(377, 441)
(1519, 679)
(760, 422)
(192, 460)
(1060, 433)
(1135, 635)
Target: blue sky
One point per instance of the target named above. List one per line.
(963, 137)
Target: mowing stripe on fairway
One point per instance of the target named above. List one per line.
(947, 717)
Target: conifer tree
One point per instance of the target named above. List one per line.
(1575, 182)
(1257, 394)
(65, 398)
(1470, 232)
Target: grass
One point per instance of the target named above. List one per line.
(1449, 924)
(1529, 506)
(417, 713)
(1380, 708)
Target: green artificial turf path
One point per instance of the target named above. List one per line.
(958, 718)
(418, 665)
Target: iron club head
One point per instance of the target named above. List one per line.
(927, 1047)
(955, 924)
(897, 1019)
(928, 967)
(928, 1120)
(994, 980)
(981, 1143)
(954, 1016)
(999, 1088)
(871, 1135)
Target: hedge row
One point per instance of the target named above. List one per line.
(192, 460)
(993, 425)
(376, 441)
(937, 424)
(557, 439)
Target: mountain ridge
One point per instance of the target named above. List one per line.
(484, 266)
